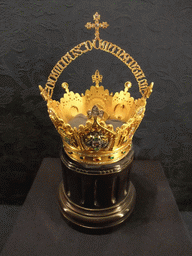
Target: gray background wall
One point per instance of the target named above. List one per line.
(35, 34)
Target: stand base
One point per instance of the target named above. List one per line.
(97, 218)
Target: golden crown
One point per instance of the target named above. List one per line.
(96, 128)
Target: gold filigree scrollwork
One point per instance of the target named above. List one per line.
(86, 46)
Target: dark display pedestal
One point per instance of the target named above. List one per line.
(96, 196)
(154, 228)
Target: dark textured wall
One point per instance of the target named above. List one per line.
(35, 34)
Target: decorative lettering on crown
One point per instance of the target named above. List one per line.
(86, 46)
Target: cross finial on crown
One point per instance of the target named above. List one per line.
(96, 25)
(97, 78)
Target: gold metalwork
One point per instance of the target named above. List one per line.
(96, 25)
(97, 78)
(120, 107)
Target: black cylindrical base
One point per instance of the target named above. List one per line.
(94, 196)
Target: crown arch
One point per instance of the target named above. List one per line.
(87, 46)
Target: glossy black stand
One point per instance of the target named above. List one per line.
(96, 196)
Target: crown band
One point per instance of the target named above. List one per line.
(90, 157)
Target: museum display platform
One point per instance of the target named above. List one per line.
(154, 228)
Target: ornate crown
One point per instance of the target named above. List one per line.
(96, 128)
